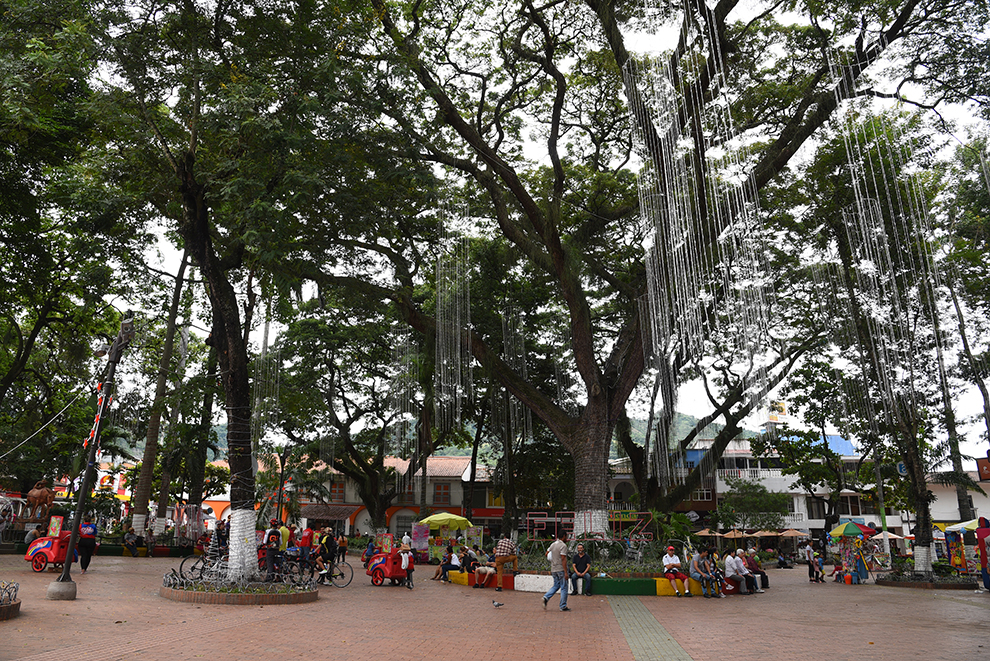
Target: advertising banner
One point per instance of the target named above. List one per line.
(420, 536)
(473, 536)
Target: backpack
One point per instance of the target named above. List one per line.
(274, 539)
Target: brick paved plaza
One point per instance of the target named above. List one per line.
(119, 615)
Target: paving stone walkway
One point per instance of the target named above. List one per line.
(647, 638)
(119, 615)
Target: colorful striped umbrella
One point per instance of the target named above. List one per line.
(850, 529)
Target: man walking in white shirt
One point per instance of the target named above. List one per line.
(558, 569)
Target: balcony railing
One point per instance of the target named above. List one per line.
(749, 473)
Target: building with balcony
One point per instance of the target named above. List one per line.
(806, 511)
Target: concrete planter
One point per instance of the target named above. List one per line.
(533, 582)
(235, 599)
(10, 611)
(926, 585)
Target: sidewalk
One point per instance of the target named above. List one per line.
(119, 615)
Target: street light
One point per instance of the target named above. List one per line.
(64, 588)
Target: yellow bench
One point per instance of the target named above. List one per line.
(664, 589)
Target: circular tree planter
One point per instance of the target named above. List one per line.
(238, 598)
(10, 611)
(927, 585)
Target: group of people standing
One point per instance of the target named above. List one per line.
(315, 543)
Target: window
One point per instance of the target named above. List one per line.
(337, 492)
(495, 501)
(816, 508)
(441, 493)
(701, 495)
(849, 506)
(403, 524)
(406, 495)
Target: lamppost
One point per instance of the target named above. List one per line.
(64, 588)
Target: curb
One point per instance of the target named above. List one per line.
(237, 599)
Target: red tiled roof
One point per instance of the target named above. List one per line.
(452, 467)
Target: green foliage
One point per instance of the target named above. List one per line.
(750, 505)
(670, 526)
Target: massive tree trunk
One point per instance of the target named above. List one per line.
(142, 493)
(228, 340)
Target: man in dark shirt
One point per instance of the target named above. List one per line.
(581, 568)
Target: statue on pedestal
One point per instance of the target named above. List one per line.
(40, 498)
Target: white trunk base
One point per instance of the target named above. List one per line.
(923, 558)
(161, 522)
(243, 545)
(139, 522)
(590, 523)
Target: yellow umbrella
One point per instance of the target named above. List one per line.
(452, 521)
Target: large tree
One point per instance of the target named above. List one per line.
(66, 251)
(490, 82)
(218, 115)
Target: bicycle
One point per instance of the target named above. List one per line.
(297, 570)
(198, 567)
(341, 574)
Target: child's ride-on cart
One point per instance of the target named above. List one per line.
(386, 565)
(46, 550)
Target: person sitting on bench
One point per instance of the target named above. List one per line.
(752, 562)
(736, 572)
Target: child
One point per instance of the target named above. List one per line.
(819, 568)
(407, 563)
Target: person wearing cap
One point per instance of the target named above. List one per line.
(407, 564)
(672, 570)
(327, 546)
(292, 534)
(819, 568)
